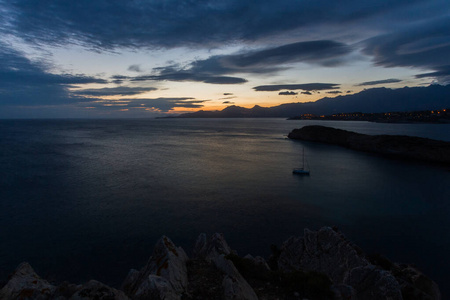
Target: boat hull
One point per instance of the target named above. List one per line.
(300, 171)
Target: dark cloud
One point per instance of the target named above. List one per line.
(230, 97)
(377, 82)
(135, 68)
(288, 93)
(185, 76)
(112, 23)
(409, 33)
(24, 82)
(227, 94)
(442, 75)
(227, 102)
(117, 91)
(334, 92)
(270, 60)
(422, 45)
(119, 79)
(159, 104)
(171, 74)
(306, 93)
(348, 92)
(302, 86)
(316, 52)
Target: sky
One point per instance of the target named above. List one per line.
(143, 58)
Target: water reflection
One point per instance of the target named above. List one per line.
(103, 192)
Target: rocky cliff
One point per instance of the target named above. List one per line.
(399, 146)
(320, 264)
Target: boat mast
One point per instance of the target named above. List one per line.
(303, 154)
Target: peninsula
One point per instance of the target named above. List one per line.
(399, 146)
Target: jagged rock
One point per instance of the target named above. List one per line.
(343, 292)
(165, 274)
(214, 250)
(205, 281)
(98, 291)
(415, 285)
(213, 274)
(26, 284)
(65, 290)
(372, 283)
(236, 289)
(199, 249)
(258, 261)
(325, 251)
(329, 252)
(207, 249)
(130, 283)
(156, 287)
(234, 284)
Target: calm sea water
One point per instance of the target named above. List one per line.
(82, 199)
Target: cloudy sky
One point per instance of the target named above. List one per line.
(144, 58)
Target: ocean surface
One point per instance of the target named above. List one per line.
(83, 199)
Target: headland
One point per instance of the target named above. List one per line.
(397, 146)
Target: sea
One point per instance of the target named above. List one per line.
(83, 199)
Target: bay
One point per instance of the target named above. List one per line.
(82, 199)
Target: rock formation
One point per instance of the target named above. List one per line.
(25, 284)
(320, 264)
(400, 146)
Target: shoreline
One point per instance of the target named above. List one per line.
(396, 146)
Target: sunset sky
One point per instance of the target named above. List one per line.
(109, 58)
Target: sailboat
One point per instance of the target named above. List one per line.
(302, 170)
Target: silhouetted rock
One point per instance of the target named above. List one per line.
(414, 284)
(325, 251)
(26, 284)
(164, 276)
(97, 290)
(209, 248)
(371, 283)
(258, 261)
(408, 147)
(320, 264)
(329, 252)
(215, 251)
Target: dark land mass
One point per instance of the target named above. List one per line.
(399, 146)
(376, 100)
(423, 116)
(321, 265)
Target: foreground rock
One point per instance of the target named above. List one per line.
(319, 264)
(26, 284)
(216, 250)
(391, 145)
(164, 276)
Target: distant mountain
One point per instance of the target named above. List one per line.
(374, 100)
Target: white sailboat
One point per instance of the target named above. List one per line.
(303, 170)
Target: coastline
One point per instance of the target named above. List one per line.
(397, 146)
